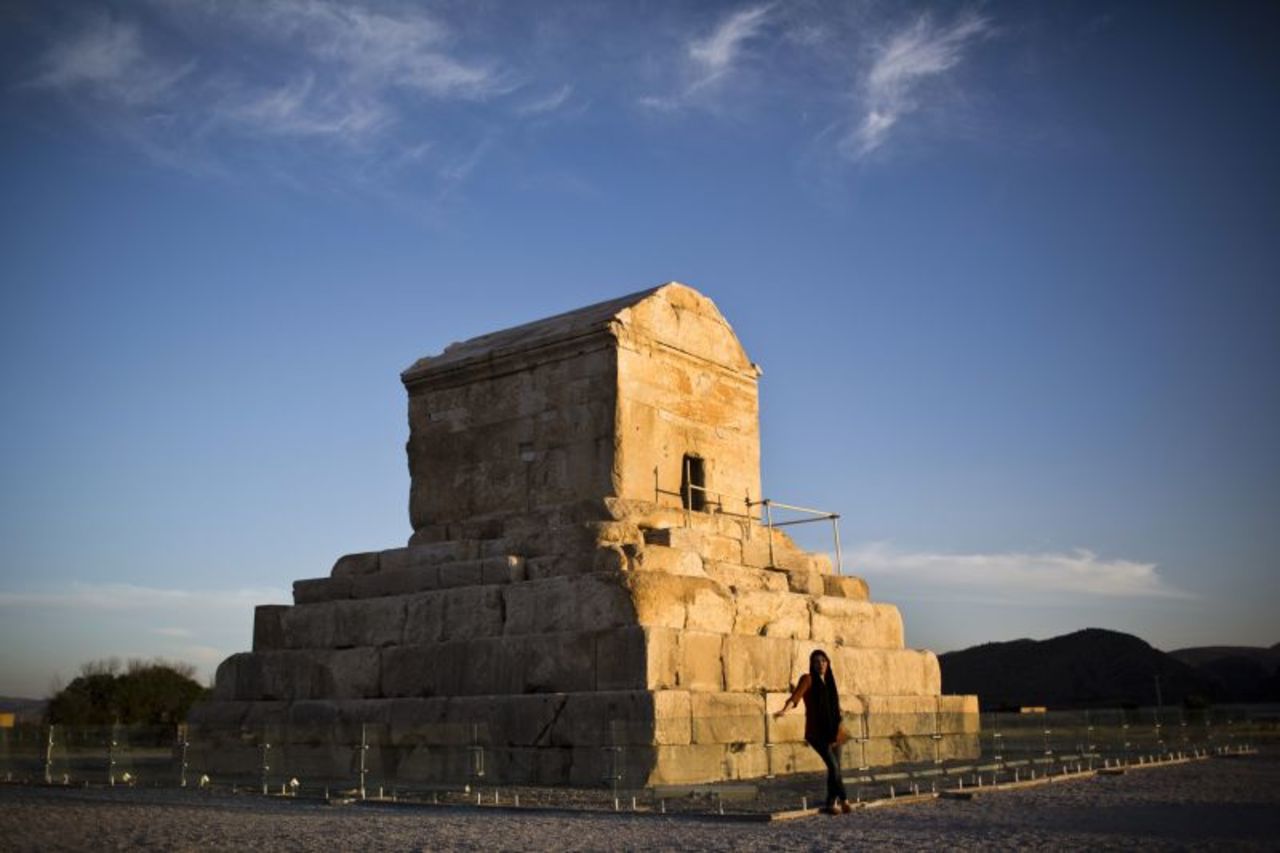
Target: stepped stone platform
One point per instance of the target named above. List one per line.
(587, 570)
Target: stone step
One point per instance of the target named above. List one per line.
(587, 602)
(620, 657)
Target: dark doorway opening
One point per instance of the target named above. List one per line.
(693, 483)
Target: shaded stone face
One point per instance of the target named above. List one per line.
(585, 570)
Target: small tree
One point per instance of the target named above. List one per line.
(148, 692)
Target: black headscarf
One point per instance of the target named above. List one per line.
(824, 701)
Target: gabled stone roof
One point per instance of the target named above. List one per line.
(592, 320)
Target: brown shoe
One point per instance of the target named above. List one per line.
(831, 810)
(845, 808)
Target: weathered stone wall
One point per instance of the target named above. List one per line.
(685, 386)
(518, 435)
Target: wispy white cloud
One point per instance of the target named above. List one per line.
(709, 61)
(918, 53)
(1016, 577)
(181, 78)
(106, 58)
(548, 103)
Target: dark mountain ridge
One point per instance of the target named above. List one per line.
(1100, 668)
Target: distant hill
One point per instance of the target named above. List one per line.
(1089, 668)
(1237, 673)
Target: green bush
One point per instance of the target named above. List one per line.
(147, 693)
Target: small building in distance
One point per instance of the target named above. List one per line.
(588, 590)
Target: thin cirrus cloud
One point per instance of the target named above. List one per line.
(344, 72)
(1017, 577)
(914, 55)
(709, 61)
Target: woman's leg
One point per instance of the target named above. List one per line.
(835, 785)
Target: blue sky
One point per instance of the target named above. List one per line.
(1010, 269)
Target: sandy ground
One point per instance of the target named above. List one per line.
(1213, 804)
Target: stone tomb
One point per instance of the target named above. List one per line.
(584, 572)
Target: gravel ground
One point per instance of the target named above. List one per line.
(1213, 804)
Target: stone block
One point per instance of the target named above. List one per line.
(315, 590)
(709, 607)
(351, 565)
(309, 626)
(461, 573)
(727, 717)
(758, 663)
(848, 622)
(409, 671)
(672, 561)
(790, 726)
(958, 714)
(683, 538)
(672, 717)
(368, 622)
(771, 614)
(502, 569)
(846, 586)
(554, 663)
(352, 673)
(601, 600)
(882, 672)
(740, 578)
(805, 581)
(475, 611)
(700, 662)
(662, 657)
(268, 626)
(400, 581)
(682, 764)
(622, 659)
(424, 618)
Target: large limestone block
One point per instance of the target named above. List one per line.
(673, 561)
(623, 718)
(847, 622)
(727, 717)
(398, 581)
(461, 573)
(424, 618)
(674, 601)
(958, 714)
(352, 673)
(787, 728)
(314, 590)
(274, 675)
(757, 663)
(268, 626)
(701, 661)
(885, 672)
(309, 626)
(625, 661)
(567, 603)
(846, 586)
(352, 565)
(368, 622)
(739, 578)
(554, 663)
(682, 764)
(772, 614)
(500, 569)
(474, 611)
(409, 671)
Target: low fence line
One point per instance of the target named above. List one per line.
(455, 760)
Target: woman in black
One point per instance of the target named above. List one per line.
(822, 723)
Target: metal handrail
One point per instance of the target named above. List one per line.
(822, 515)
